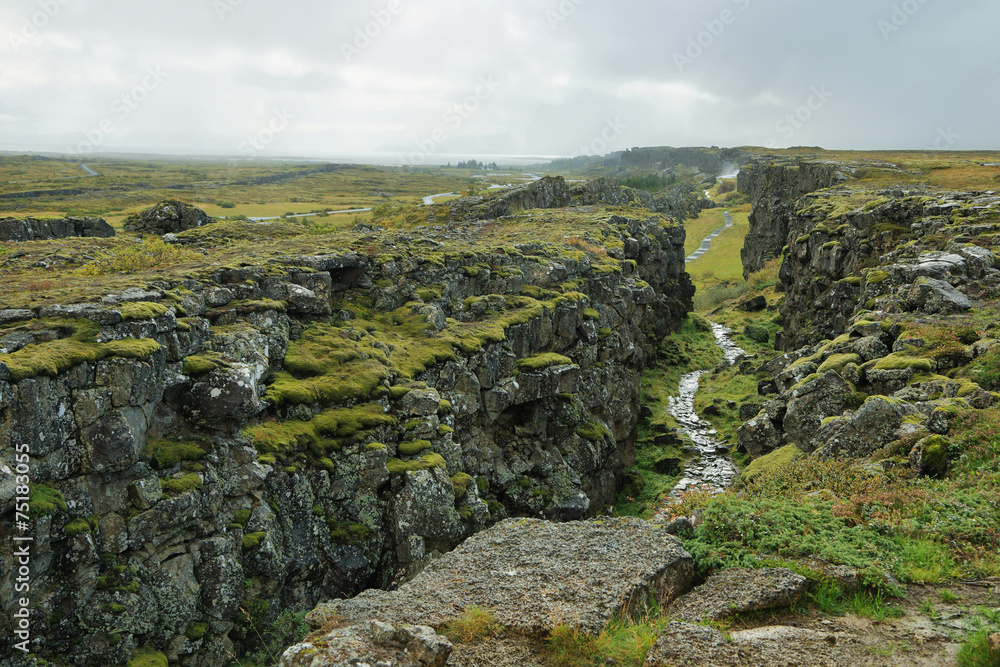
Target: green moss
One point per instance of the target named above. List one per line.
(45, 500)
(253, 540)
(538, 362)
(771, 462)
(347, 532)
(460, 482)
(444, 407)
(837, 362)
(935, 451)
(483, 484)
(444, 430)
(901, 360)
(413, 447)
(201, 364)
(397, 392)
(425, 462)
(167, 453)
(875, 277)
(242, 516)
(594, 431)
(76, 526)
(376, 446)
(591, 314)
(427, 295)
(77, 345)
(851, 280)
(189, 482)
(802, 239)
(322, 433)
(197, 631)
(142, 310)
(148, 658)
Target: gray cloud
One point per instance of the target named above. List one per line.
(429, 79)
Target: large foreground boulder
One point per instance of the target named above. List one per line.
(533, 575)
(168, 217)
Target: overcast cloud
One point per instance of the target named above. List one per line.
(435, 78)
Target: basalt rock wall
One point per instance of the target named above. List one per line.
(773, 189)
(206, 454)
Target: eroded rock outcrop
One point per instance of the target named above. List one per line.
(774, 188)
(168, 217)
(33, 229)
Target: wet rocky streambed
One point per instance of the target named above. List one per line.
(712, 468)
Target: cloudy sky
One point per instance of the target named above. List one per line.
(420, 81)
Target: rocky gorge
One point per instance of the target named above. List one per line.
(404, 430)
(211, 450)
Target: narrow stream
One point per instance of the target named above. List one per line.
(713, 468)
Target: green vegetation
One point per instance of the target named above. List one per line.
(167, 453)
(623, 642)
(77, 344)
(45, 500)
(539, 362)
(425, 462)
(204, 363)
(594, 431)
(474, 624)
(197, 631)
(326, 431)
(151, 253)
(188, 482)
(460, 482)
(413, 448)
(148, 658)
(76, 526)
(253, 540)
(864, 519)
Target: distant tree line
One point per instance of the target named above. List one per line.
(472, 164)
(650, 182)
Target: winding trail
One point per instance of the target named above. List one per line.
(706, 245)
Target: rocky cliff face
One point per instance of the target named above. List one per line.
(879, 285)
(32, 229)
(267, 436)
(773, 189)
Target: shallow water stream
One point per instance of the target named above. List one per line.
(712, 468)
